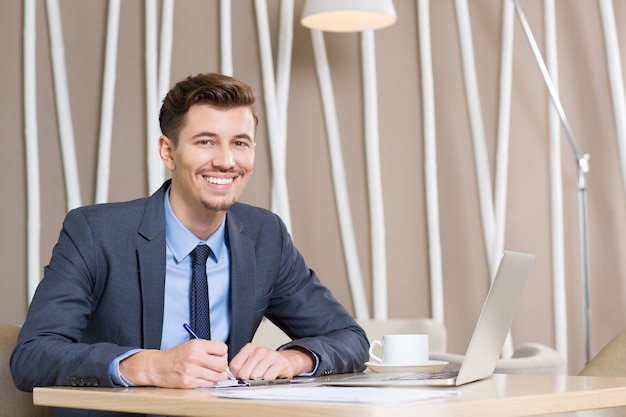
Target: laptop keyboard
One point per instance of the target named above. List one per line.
(427, 375)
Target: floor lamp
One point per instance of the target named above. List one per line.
(582, 164)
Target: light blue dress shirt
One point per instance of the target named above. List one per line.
(179, 243)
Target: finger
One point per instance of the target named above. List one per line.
(272, 371)
(262, 363)
(201, 379)
(247, 364)
(211, 347)
(241, 358)
(210, 354)
(201, 363)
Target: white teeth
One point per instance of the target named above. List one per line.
(219, 181)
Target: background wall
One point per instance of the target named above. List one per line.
(585, 93)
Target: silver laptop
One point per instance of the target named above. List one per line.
(487, 340)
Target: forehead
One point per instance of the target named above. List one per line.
(206, 114)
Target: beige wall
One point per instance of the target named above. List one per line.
(585, 93)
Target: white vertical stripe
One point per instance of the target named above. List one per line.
(615, 77)
(283, 72)
(485, 190)
(355, 277)
(154, 163)
(165, 52)
(283, 76)
(64, 111)
(32, 147)
(582, 165)
(280, 198)
(374, 176)
(430, 162)
(556, 187)
(502, 150)
(478, 131)
(108, 100)
(504, 127)
(226, 38)
(163, 83)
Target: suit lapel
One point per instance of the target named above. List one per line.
(243, 277)
(151, 260)
(152, 278)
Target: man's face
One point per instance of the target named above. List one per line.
(214, 158)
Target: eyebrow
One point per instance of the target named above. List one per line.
(244, 136)
(200, 134)
(211, 134)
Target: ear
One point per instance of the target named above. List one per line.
(166, 151)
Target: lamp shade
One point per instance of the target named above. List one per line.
(348, 15)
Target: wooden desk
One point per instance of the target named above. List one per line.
(498, 396)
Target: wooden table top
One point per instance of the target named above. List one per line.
(498, 396)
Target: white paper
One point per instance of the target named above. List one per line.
(362, 395)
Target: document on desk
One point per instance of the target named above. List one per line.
(361, 395)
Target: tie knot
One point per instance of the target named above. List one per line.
(200, 254)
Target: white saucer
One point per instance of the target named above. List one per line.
(430, 366)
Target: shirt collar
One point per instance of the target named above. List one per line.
(181, 241)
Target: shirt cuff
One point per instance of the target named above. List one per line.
(114, 369)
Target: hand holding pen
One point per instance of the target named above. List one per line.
(195, 336)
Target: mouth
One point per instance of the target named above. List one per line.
(219, 181)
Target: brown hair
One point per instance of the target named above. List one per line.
(217, 90)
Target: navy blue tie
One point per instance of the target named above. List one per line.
(200, 293)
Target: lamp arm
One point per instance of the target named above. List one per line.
(582, 164)
(546, 77)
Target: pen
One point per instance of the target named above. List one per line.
(190, 331)
(195, 336)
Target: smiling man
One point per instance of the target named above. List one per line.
(122, 280)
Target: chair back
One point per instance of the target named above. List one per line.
(13, 402)
(611, 360)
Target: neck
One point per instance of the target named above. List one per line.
(199, 220)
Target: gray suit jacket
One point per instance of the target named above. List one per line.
(102, 294)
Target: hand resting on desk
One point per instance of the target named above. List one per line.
(202, 363)
(254, 362)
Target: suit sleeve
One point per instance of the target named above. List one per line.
(308, 312)
(50, 349)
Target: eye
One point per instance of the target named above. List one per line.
(241, 144)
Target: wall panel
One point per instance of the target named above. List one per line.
(585, 92)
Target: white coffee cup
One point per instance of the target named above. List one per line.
(401, 349)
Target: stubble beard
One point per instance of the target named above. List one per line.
(217, 206)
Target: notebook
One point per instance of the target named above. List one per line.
(487, 340)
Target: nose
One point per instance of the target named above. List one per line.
(224, 157)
